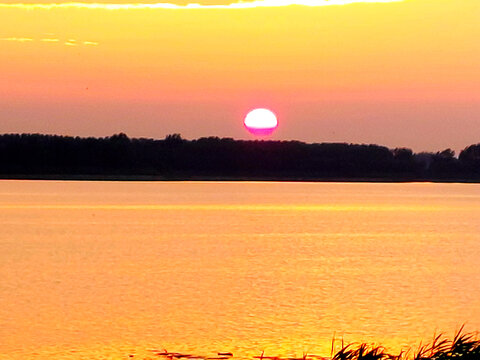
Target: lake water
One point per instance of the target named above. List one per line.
(101, 270)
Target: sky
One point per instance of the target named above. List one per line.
(396, 73)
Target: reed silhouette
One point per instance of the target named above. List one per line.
(463, 346)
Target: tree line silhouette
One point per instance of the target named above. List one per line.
(51, 156)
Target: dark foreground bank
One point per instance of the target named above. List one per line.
(463, 346)
(33, 156)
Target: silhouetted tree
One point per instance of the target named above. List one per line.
(402, 154)
(470, 159)
(470, 154)
(447, 153)
(173, 139)
(213, 157)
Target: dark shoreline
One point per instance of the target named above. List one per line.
(158, 178)
(120, 158)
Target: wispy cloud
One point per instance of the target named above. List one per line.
(19, 39)
(69, 42)
(233, 5)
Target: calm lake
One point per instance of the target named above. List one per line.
(101, 270)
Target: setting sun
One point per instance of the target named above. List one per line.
(261, 122)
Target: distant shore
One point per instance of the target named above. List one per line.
(120, 158)
(157, 178)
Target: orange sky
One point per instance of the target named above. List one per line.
(403, 73)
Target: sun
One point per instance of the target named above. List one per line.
(261, 122)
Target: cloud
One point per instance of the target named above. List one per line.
(69, 42)
(19, 39)
(234, 5)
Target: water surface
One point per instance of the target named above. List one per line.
(105, 269)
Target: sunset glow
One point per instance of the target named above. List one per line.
(239, 179)
(339, 70)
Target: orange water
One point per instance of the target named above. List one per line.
(101, 270)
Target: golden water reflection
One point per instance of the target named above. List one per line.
(102, 269)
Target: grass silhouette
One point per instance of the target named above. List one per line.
(463, 346)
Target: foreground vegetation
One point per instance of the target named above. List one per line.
(47, 156)
(464, 346)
